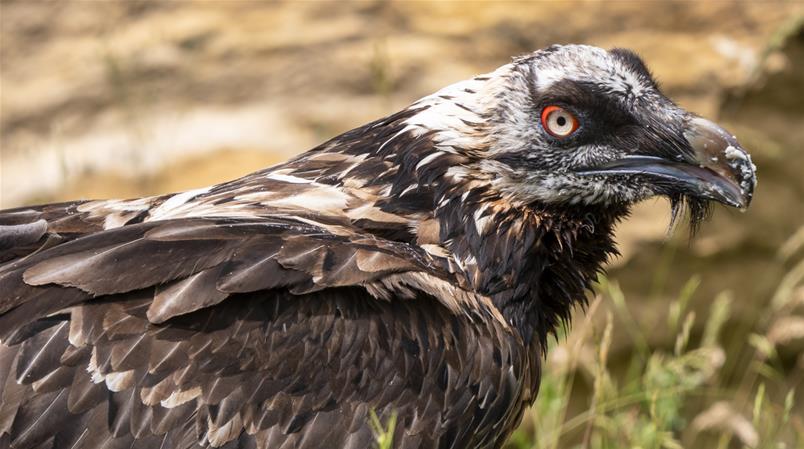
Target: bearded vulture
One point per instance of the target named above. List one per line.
(412, 267)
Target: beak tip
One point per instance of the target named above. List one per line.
(720, 152)
(744, 172)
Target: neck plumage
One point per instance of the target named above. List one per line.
(427, 168)
(535, 262)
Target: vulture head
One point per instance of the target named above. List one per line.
(580, 126)
(527, 169)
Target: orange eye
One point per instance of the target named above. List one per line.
(558, 121)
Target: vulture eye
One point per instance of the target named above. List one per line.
(558, 121)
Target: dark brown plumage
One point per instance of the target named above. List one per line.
(413, 266)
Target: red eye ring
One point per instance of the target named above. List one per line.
(558, 122)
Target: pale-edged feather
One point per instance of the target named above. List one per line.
(15, 235)
(129, 266)
(258, 269)
(17, 292)
(141, 416)
(121, 410)
(167, 419)
(41, 354)
(84, 394)
(57, 379)
(118, 323)
(37, 418)
(134, 353)
(187, 295)
(166, 357)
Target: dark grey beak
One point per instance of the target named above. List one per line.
(721, 171)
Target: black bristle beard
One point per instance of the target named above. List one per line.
(696, 210)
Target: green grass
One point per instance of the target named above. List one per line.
(383, 433)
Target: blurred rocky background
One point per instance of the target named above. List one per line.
(119, 99)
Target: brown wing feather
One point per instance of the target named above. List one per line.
(268, 369)
(27, 229)
(258, 332)
(161, 356)
(195, 262)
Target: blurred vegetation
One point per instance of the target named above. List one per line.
(694, 344)
(691, 395)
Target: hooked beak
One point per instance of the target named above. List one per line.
(721, 170)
